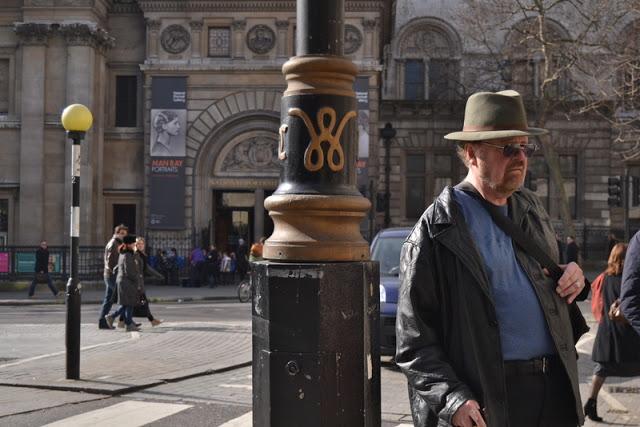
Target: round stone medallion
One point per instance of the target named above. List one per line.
(175, 39)
(261, 39)
(352, 39)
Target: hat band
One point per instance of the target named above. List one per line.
(471, 128)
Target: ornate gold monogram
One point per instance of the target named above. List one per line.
(282, 153)
(326, 135)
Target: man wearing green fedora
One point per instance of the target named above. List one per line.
(484, 334)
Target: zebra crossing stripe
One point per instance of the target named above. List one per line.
(130, 413)
(245, 420)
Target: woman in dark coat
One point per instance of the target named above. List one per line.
(147, 271)
(130, 283)
(616, 349)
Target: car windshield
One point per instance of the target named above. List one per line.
(387, 252)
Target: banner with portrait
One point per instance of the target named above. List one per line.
(167, 150)
(361, 87)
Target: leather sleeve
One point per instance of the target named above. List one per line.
(419, 349)
(630, 293)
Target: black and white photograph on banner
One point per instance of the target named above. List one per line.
(168, 133)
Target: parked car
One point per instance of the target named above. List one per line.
(385, 249)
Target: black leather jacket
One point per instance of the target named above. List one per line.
(448, 343)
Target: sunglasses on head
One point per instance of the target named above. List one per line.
(512, 150)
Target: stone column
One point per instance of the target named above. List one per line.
(258, 214)
(369, 26)
(283, 29)
(33, 39)
(153, 29)
(238, 28)
(84, 43)
(196, 36)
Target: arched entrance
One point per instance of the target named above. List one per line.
(236, 167)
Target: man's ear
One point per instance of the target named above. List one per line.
(472, 154)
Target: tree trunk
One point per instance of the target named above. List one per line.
(555, 174)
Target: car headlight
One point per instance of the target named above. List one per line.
(383, 294)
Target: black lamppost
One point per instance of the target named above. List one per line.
(76, 119)
(316, 357)
(387, 133)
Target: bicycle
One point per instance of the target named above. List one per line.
(244, 290)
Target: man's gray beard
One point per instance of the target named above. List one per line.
(497, 188)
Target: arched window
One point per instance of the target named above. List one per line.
(524, 65)
(427, 54)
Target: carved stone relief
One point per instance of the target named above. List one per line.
(258, 155)
(261, 39)
(175, 39)
(429, 41)
(352, 39)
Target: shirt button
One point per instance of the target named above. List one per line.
(553, 311)
(493, 323)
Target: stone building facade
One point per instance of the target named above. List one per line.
(106, 54)
(429, 71)
(416, 68)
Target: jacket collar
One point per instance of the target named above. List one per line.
(447, 225)
(445, 210)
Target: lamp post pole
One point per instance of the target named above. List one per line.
(315, 311)
(73, 290)
(76, 119)
(388, 133)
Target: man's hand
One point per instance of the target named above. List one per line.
(468, 415)
(571, 282)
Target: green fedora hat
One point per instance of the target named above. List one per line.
(497, 115)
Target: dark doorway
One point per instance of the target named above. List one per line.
(125, 214)
(234, 218)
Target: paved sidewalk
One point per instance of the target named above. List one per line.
(116, 362)
(95, 294)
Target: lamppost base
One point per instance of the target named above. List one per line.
(72, 335)
(316, 357)
(316, 228)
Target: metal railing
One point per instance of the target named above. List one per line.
(18, 262)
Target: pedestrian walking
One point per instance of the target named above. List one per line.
(572, 250)
(616, 349)
(161, 265)
(196, 261)
(255, 253)
(111, 255)
(130, 282)
(143, 310)
(630, 293)
(42, 270)
(212, 266)
(173, 270)
(225, 268)
(242, 259)
(483, 335)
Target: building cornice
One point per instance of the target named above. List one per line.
(274, 66)
(124, 6)
(74, 33)
(245, 5)
(80, 34)
(32, 33)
